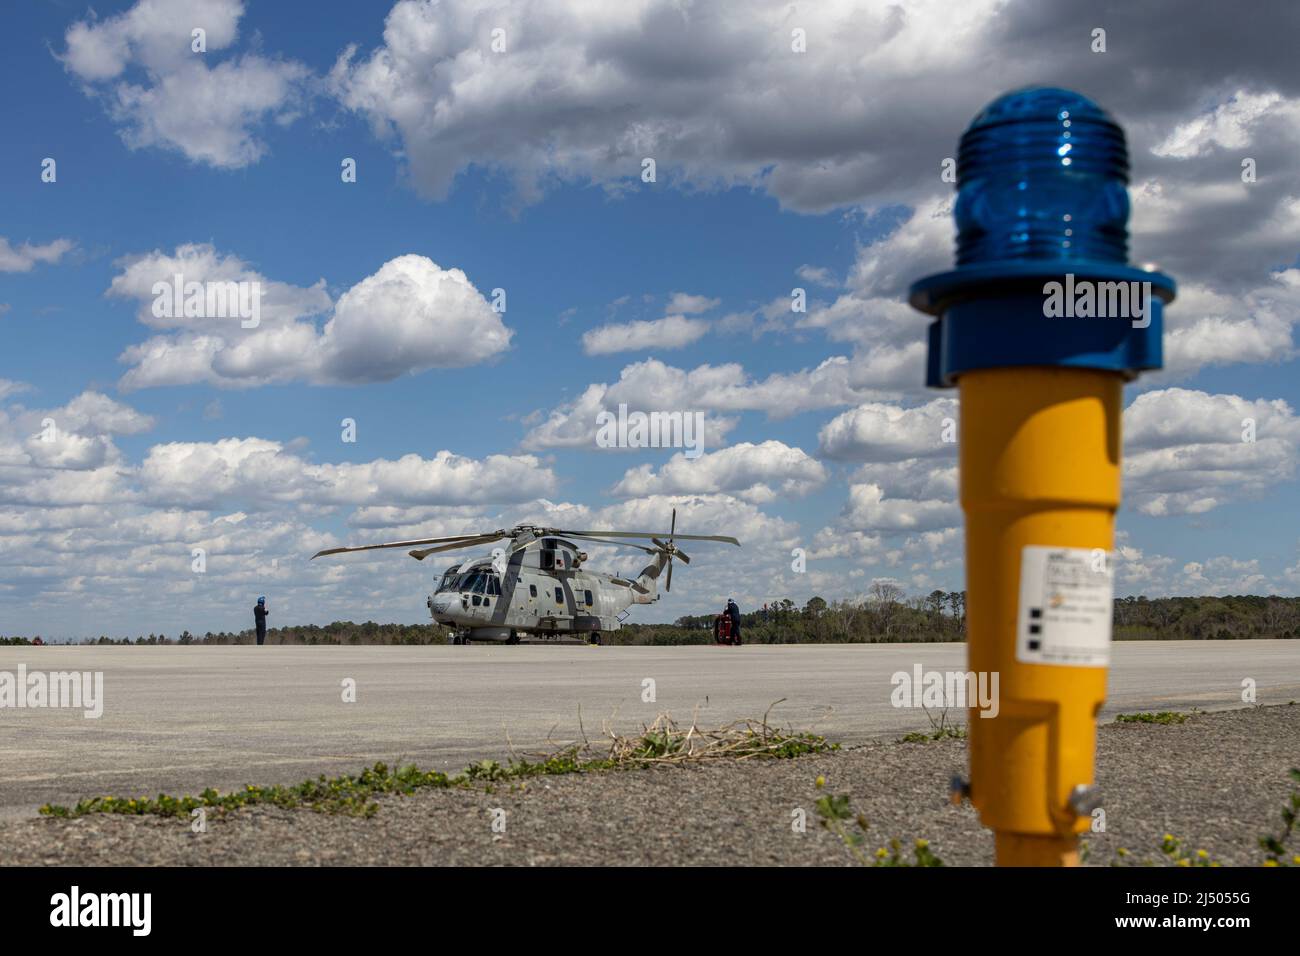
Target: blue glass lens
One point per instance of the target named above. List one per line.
(1042, 174)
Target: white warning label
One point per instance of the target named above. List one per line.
(1066, 606)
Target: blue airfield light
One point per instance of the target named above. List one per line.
(1042, 177)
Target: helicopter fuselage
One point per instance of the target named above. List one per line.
(542, 591)
(538, 586)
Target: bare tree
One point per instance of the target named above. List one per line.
(885, 596)
(886, 592)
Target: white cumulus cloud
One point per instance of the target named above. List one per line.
(409, 316)
(163, 94)
(670, 332)
(22, 258)
(753, 472)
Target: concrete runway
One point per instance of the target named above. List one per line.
(179, 719)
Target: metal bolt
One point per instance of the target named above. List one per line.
(1084, 799)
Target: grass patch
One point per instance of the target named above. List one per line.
(836, 814)
(1277, 851)
(662, 742)
(1275, 846)
(940, 729)
(1147, 717)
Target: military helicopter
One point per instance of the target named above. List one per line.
(537, 585)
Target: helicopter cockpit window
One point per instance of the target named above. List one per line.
(494, 584)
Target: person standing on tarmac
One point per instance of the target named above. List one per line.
(733, 612)
(259, 619)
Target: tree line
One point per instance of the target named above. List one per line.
(887, 615)
(340, 632)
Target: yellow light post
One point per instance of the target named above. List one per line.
(1039, 326)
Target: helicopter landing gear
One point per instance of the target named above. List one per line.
(460, 639)
(594, 640)
(513, 638)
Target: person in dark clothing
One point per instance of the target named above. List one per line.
(733, 612)
(259, 619)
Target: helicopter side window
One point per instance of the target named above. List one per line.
(559, 595)
(587, 594)
(532, 590)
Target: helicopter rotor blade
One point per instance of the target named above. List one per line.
(649, 534)
(407, 544)
(668, 585)
(422, 553)
(630, 584)
(617, 544)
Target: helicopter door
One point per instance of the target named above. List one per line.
(561, 605)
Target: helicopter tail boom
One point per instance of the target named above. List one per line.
(646, 589)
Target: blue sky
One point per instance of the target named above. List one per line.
(521, 169)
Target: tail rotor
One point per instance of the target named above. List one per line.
(670, 549)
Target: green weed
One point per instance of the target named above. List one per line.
(1147, 717)
(662, 742)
